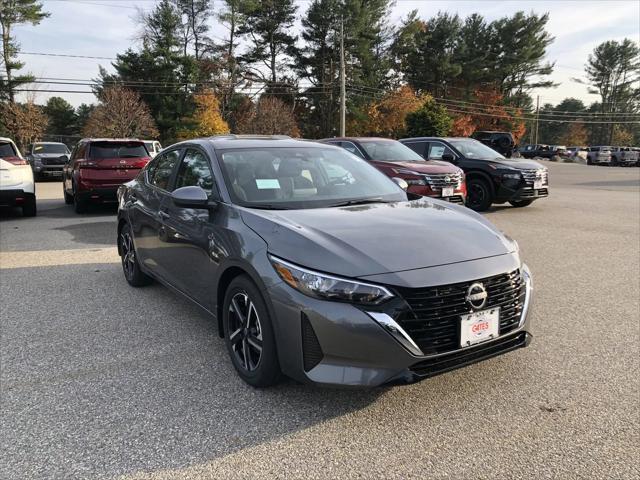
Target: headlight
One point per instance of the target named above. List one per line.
(327, 287)
(511, 176)
(414, 181)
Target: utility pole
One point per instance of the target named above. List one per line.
(537, 118)
(342, 82)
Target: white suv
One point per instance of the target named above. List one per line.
(153, 147)
(17, 188)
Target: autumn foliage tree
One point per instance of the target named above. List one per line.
(25, 122)
(270, 116)
(387, 117)
(490, 114)
(120, 114)
(207, 119)
(576, 134)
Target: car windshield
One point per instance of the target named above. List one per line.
(6, 150)
(473, 149)
(389, 151)
(303, 177)
(117, 150)
(50, 148)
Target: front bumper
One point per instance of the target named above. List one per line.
(335, 343)
(48, 170)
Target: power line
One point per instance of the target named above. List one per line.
(44, 54)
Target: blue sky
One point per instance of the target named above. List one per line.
(104, 28)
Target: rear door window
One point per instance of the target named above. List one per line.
(418, 147)
(161, 171)
(351, 147)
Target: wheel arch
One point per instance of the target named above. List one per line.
(473, 174)
(229, 272)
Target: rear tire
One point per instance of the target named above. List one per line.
(29, 208)
(479, 194)
(130, 265)
(248, 334)
(520, 203)
(79, 203)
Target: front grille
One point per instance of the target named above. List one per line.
(54, 161)
(445, 363)
(311, 350)
(434, 319)
(531, 176)
(440, 180)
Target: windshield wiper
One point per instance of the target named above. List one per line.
(267, 206)
(362, 201)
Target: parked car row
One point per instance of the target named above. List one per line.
(594, 155)
(317, 266)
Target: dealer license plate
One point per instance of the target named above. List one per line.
(478, 327)
(447, 192)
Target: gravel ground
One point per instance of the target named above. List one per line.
(99, 380)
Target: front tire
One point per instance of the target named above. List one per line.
(68, 199)
(520, 203)
(479, 194)
(130, 266)
(248, 334)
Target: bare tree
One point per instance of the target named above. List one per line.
(270, 116)
(121, 113)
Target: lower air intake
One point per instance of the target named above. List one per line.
(311, 350)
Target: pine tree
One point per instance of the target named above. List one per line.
(12, 14)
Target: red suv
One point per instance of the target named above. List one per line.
(432, 178)
(98, 166)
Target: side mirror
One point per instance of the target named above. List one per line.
(447, 157)
(401, 183)
(190, 197)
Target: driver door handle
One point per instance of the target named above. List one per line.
(163, 215)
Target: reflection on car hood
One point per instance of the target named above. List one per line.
(50, 155)
(521, 164)
(430, 166)
(377, 238)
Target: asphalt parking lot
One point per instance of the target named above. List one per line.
(99, 380)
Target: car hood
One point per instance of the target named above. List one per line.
(428, 166)
(521, 164)
(50, 155)
(377, 238)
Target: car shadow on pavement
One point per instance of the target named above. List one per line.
(102, 379)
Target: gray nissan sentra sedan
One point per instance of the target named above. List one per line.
(318, 266)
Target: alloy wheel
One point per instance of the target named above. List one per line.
(476, 194)
(245, 331)
(128, 254)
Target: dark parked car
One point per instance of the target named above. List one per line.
(47, 158)
(501, 142)
(427, 178)
(318, 266)
(98, 166)
(491, 178)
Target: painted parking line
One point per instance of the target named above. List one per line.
(51, 258)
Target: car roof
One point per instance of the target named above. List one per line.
(48, 143)
(111, 140)
(223, 142)
(5, 139)
(446, 139)
(357, 139)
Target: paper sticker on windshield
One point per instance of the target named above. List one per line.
(267, 183)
